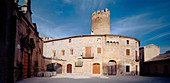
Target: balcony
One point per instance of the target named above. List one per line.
(84, 56)
(78, 64)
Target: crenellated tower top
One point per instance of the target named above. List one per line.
(100, 22)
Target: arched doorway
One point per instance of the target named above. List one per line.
(69, 68)
(112, 67)
(96, 68)
(59, 68)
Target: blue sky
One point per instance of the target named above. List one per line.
(147, 20)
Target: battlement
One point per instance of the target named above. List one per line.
(103, 12)
(100, 22)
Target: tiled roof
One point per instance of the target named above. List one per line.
(164, 56)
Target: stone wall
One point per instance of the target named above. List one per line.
(100, 22)
(109, 51)
(151, 51)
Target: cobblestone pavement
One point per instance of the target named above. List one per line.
(95, 79)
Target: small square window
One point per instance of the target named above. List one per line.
(69, 40)
(63, 52)
(98, 40)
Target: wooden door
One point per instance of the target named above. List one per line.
(69, 68)
(25, 66)
(112, 68)
(88, 51)
(96, 68)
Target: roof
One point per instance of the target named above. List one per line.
(149, 46)
(152, 45)
(92, 36)
(160, 57)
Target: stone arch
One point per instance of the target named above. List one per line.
(59, 68)
(112, 67)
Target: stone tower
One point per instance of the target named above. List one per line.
(100, 22)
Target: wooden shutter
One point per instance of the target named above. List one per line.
(79, 61)
(71, 51)
(98, 50)
(127, 51)
(136, 55)
(88, 51)
(63, 52)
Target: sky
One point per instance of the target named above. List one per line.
(146, 20)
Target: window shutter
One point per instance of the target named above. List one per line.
(98, 50)
(127, 51)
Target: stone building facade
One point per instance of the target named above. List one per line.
(21, 47)
(147, 53)
(98, 54)
(157, 66)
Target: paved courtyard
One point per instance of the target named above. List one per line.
(96, 79)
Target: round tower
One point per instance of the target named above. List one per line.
(100, 22)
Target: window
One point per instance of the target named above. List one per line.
(127, 41)
(88, 51)
(98, 50)
(52, 43)
(71, 51)
(69, 40)
(128, 52)
(127, 68)
(136, 44)
(63, 52)
(79, 61)
(136, 55)
(98, 40)
(54, 53)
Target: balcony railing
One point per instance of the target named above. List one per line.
(88, 57)
(78, 64)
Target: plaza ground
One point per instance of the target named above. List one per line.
(96, 79)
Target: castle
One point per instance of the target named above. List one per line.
(100, 53)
